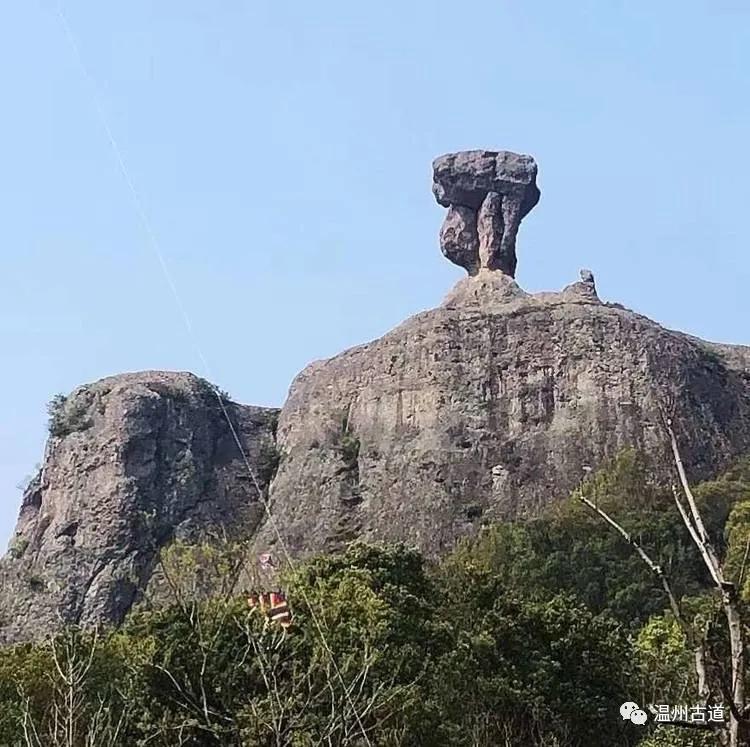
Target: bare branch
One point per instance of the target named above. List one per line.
(710, 558)
(655, 568)
(727, 590)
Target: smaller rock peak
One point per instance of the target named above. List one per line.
(587, 277)
(487, 194)
(587, 285)
(583, 289)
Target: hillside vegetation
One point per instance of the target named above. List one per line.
(531, 634)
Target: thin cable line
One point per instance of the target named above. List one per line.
(155, 246)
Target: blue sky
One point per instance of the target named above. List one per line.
(282, 155)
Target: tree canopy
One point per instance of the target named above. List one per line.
(531, 633)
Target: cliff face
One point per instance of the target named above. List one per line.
(489, 407)
(134, 461)
(485, 408)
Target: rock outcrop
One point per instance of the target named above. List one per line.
(488, 408)
(485, 408)
(487, 194)
(134, 462)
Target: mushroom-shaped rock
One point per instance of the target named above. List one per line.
(494, 190)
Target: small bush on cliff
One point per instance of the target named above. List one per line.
(56, 412)
(349, 450)
(18, 547)
(222, 394)
(66, 416)
(268, 461)
(349, 446)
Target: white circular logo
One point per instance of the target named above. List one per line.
(632, 712)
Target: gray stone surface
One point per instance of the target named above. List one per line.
(584, 289)
(459, 241)
(492, 190)
(487, 408)
(465, 178)
(484, 408)
(149, 457)
(490, 228)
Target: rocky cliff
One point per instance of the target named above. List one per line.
(488, 407)
(133, 462)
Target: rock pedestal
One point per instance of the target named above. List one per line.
(487, 194)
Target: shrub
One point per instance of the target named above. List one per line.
(348, 446)
(349, 450)
(268, 461)
(18, 547)
(67, 415)
(36, 582)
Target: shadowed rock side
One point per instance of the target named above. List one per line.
(138, 460)
(488, 408)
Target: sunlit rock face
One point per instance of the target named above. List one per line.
(486, 408)
(490, 406)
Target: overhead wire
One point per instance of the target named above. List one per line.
(154, 243)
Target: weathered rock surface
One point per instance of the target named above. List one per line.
(485, 408)
(496, 245)
(488, 408)
(489, 190)
(585, 288)
(465, 178)
(459, 240)
(140, 459)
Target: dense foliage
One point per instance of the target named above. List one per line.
(531, 634)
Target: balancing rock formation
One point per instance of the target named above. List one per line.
(488, 194)
(483, 409)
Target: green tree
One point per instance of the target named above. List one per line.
(567, 549)
(550, 671)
